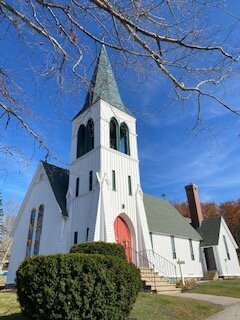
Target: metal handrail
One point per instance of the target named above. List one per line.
(163, 266)
(140, 260)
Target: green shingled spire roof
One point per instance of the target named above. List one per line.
(103, 85)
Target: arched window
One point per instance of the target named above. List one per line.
(38, 229)
(114, 134)
(124, 139)
(30, 232)
(81, 141)
(89, 135)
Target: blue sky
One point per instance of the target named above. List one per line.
(171, 153)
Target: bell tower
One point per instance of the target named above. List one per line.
(104, 185)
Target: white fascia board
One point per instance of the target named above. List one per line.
(40, 167)
(29, 190)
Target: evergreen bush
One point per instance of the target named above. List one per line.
(77, 286)
(99, 247)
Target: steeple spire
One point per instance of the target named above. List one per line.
(103, 85)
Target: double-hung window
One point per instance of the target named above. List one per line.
(174, 255)
(191, 249)
(226, 247)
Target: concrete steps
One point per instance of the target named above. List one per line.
(152, 282)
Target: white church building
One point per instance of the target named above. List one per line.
(100, 199)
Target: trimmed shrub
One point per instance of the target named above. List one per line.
(77, 286)
(99, 247)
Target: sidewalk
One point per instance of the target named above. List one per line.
(231, 305)
(230, 313)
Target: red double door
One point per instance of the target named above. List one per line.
(123, 236)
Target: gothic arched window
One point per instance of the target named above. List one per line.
(30, 232)
(124, 139)
(89, 135)
(38, 229)
(81, 141)
(114, 134)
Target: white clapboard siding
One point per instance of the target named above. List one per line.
(191, 268)
(227, 267)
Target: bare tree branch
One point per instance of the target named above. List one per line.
(11, 112)
(171, 37)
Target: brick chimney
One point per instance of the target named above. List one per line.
(194, 205)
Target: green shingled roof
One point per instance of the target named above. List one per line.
(163, 218)
(103, 85)
(58, 178)
(209, 231)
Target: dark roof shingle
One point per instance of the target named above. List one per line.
(58, 178)
(209, 230)
(103, 85)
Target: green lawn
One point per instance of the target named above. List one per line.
(228, 288)
(9, 307)
(147, 307)
(159, 307)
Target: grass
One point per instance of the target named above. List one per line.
(159, 307)
(228, 288)
(147, 307)
(9, 306)
(2, 280)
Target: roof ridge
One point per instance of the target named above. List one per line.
(213, 218)
(155, 197)
(53, 165)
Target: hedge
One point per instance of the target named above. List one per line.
(108, 249)
(77, 286)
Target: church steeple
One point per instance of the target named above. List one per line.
(103, 85)
(104, 182)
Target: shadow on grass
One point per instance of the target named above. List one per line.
(15, 316)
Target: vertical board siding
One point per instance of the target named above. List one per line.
(90, 211)
(41, 193)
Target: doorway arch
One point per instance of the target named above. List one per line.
(123, 236)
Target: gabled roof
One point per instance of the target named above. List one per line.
(209, 230)
(103, 85)
(58, 178)
(163, 218)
